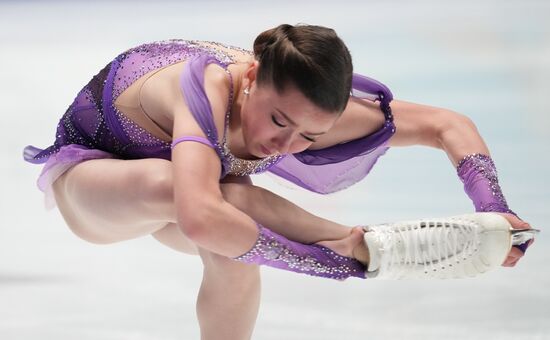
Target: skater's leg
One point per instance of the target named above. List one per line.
(229, 298)
(295, 223)
(131, 201)
(136, 199)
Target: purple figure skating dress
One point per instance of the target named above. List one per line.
(93, 128)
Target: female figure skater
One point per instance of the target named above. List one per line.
(162, 141)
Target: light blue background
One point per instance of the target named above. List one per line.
(489, 60)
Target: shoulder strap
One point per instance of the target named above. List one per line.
(192, 139)
(192, 87)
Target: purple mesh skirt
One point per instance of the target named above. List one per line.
(61, 161)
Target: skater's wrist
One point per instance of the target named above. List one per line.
(479, 175)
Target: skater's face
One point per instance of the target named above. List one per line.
(280, 123)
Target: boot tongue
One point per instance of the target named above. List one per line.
(373, 243)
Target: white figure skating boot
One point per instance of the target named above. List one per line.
(441, 248)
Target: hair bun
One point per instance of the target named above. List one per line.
(269, 38)
(312, 58)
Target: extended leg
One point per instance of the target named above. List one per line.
(295, 223)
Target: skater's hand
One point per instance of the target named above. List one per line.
(353, 245)
(515, 254)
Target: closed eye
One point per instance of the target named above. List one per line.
(281, 125)
(276, 122)
(309, 139)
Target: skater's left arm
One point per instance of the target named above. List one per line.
(452, 132)
(443, 129)
(418, 124)
(415, 125)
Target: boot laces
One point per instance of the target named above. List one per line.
(431, 245)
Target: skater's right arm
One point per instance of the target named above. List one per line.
(202, 213)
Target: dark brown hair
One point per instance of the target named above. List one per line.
(312, 58)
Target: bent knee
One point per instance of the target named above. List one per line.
(157, 183)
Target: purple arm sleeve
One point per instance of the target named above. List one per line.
(479, 175)
(274, 250)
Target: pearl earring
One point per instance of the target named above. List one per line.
(246, 91)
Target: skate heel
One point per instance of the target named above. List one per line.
(520, 236)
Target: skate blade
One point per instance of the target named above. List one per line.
(520, 236)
